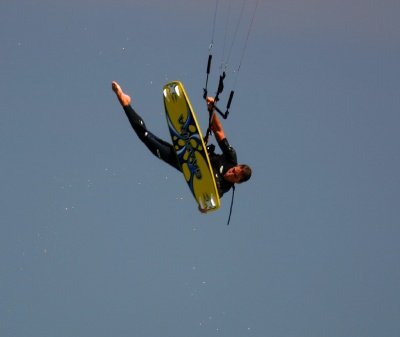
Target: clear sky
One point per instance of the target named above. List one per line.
(99, 238)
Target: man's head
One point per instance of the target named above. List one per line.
(238, 174)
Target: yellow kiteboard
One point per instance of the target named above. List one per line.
(189, 146)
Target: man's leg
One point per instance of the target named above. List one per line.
(157, 146)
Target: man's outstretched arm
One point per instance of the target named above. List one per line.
(216, 125)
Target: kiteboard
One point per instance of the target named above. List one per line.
(189, 146)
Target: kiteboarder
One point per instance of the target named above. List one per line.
(226, 169)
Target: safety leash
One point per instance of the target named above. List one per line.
(230, 210)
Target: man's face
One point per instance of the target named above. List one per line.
(234, 174)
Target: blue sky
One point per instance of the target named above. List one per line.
(100, 238)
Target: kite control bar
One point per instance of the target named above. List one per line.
(219, 90)
(228, 105)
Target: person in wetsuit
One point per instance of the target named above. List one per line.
(226, 169)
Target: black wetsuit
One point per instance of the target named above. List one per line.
(221, 163)
(165, 151)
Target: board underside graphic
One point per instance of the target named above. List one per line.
(189, 146)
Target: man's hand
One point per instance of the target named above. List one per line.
(210, 103)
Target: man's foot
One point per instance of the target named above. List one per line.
(123, 98)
